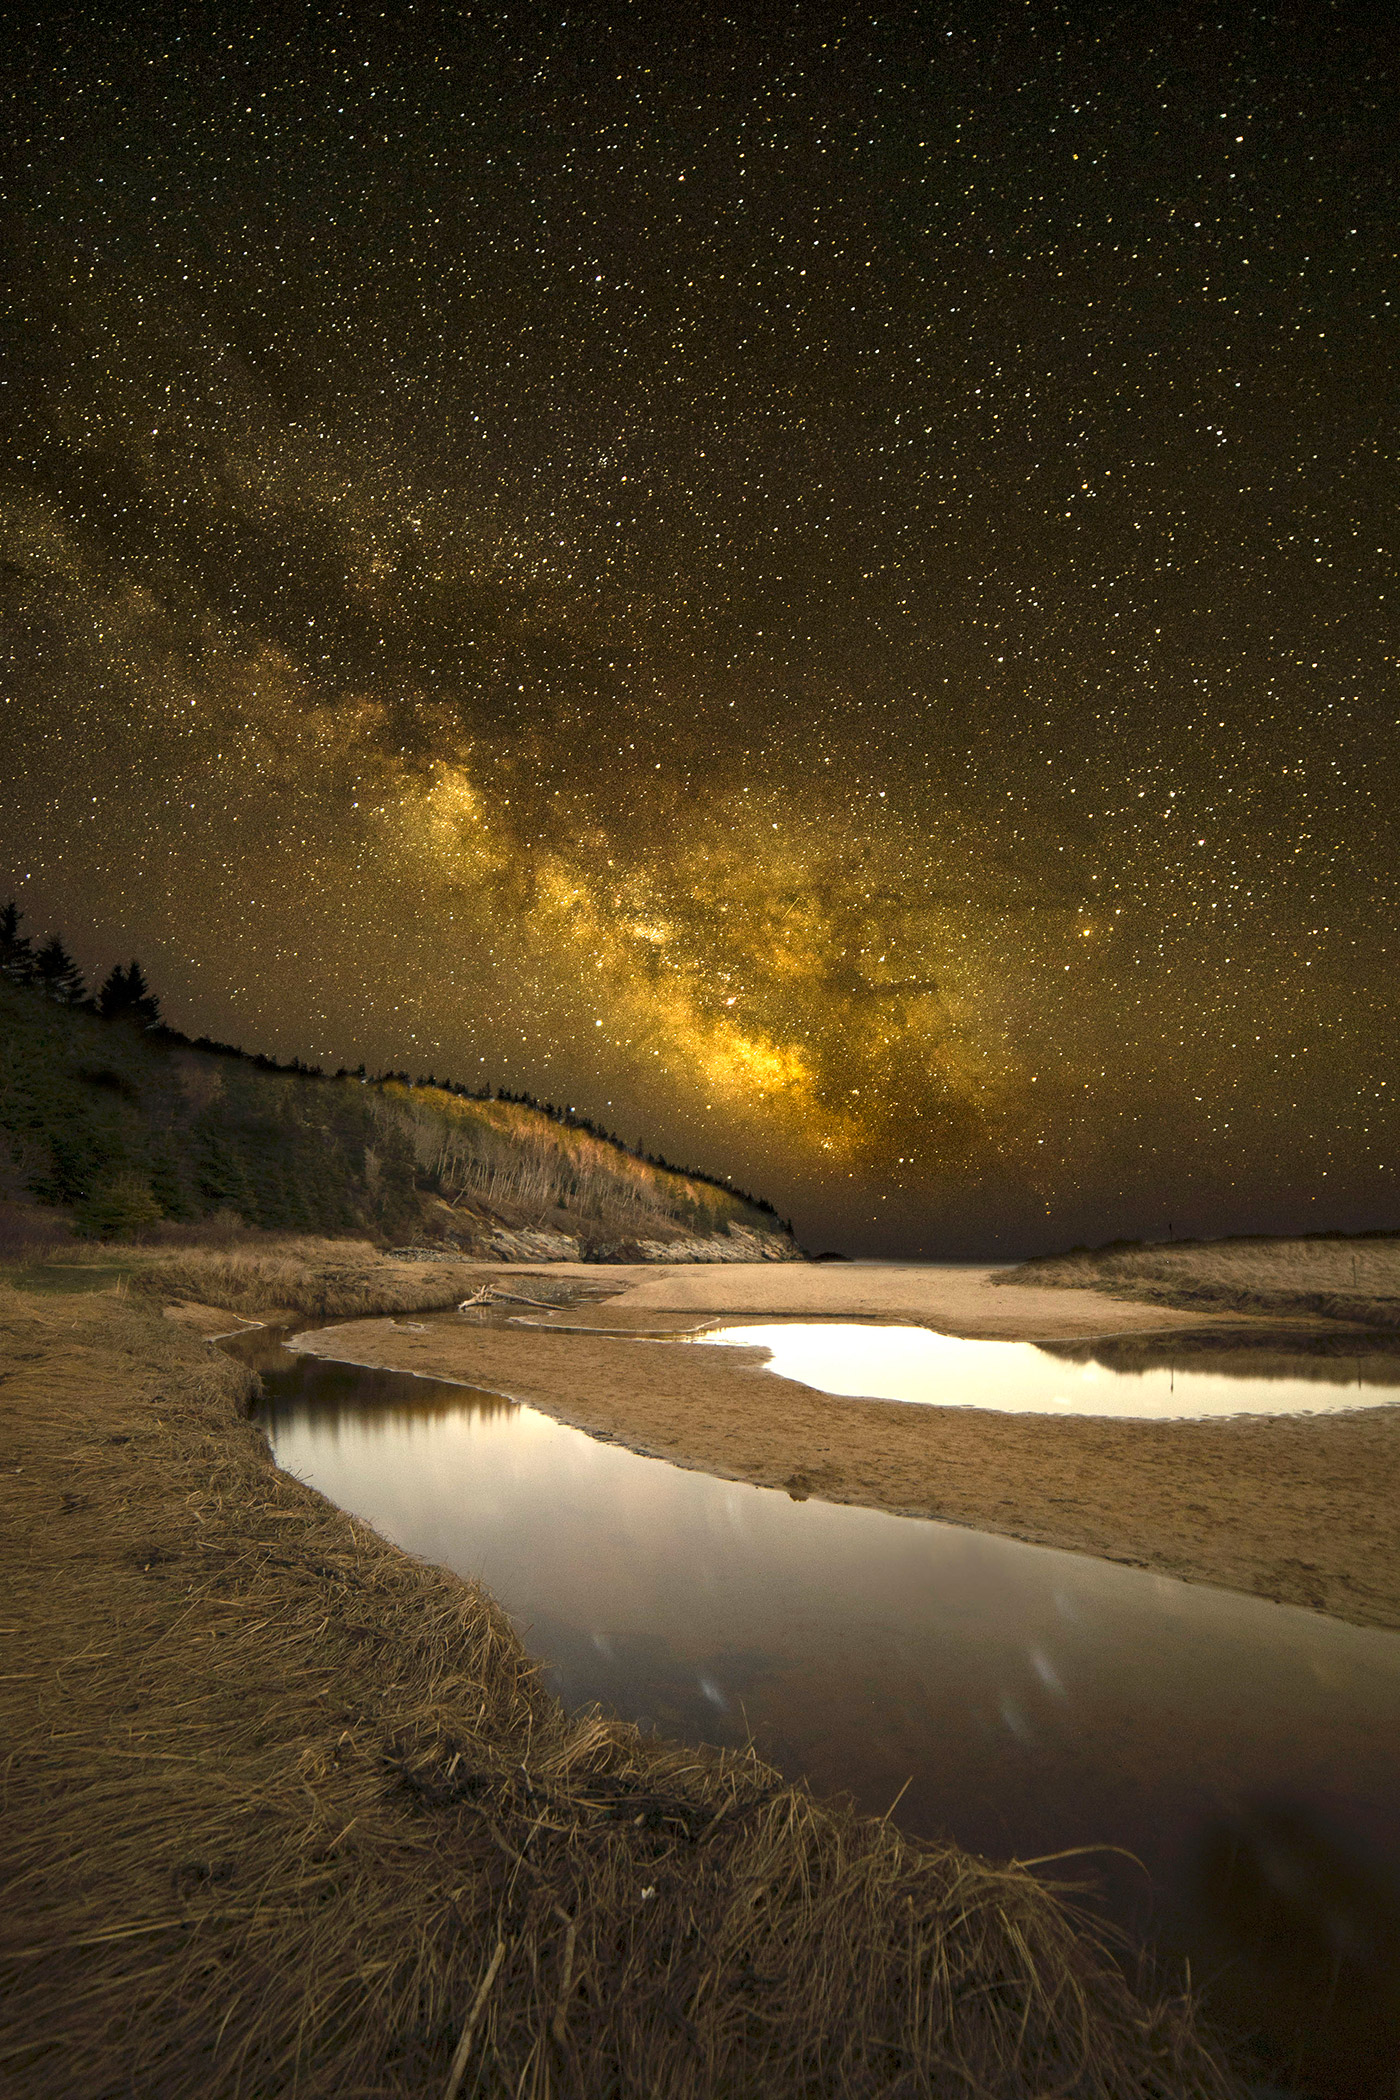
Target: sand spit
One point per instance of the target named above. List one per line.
(1298, 1509)
(285, 1810)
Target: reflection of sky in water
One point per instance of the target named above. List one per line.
(1024, 1700)
(912, 1363)
(1038, 1697)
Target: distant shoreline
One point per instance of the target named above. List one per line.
(1351, 1277)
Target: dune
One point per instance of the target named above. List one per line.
(1332, 1276)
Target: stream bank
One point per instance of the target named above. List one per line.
(1299, 1509)
(286, 1807)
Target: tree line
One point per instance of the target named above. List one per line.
(46, 967)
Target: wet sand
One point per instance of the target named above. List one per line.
(1300, 1509)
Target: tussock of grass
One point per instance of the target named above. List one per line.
(288, 1812)
(1333, 1277)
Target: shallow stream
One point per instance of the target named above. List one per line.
(1019, 1699)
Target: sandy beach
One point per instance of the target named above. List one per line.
(1301, 1509)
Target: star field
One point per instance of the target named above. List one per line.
(818, 585)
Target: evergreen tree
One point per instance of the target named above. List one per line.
(126, 997)
(16, 948)
(111, 1000)
(57, 975)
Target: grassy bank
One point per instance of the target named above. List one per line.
(1331, 1276)
(287, 1811)
(275, 1278)
(321, 1279)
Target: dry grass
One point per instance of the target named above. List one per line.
(1352, 1279)
(323, 1279)
(287, 1812)
(28, 1233)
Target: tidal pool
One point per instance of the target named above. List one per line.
(1149, 1379)
(1022, 1700)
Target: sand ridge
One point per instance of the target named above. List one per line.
(955, 1300)
(1301, 1509)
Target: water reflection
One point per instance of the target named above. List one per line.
(1305, 1932)
(1345, 1359)
(1024, 1700)
(1150, 1378)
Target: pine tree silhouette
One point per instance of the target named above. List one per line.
(57, 975)
(125, 996)
(111, 1000)
(16, 948)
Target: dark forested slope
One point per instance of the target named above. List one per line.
(118, 1125)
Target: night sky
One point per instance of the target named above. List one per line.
(817, 585)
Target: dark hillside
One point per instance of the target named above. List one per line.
(121, 1126)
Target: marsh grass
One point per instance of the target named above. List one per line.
(287, 1812)
(323, 1279)
(1335, 1277)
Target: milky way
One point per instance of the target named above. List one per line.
(817, 587)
